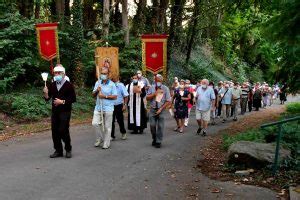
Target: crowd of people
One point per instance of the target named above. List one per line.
(153, 103)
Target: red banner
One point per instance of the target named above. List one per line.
(154, 53)
(47, 40)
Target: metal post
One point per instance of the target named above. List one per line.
(275, 166)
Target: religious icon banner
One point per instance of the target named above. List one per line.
(47, 40)
(108, 57)
(154, 53)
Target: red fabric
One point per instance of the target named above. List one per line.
(47, 40)
(154, 56)
(154, 36)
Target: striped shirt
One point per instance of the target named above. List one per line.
(245, 92)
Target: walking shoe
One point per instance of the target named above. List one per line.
(56, 155)
(204, 133)
(213, 123)
(124, 136)
(98, 142)
(235, 119)
(176, 129)
(157, 145)
(105, 147)
(199, 130)
(68, 154)
(223, 121)
(153, 143)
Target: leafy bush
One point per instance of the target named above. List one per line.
(30, 107)
(293, 108)
(254, 135)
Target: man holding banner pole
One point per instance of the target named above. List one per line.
(106, 93)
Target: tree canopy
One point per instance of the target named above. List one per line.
(216, 39)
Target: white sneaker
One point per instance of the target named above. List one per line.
(124, 136)
(98, 142)
(105, 147)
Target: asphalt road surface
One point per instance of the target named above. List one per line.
(130, 169)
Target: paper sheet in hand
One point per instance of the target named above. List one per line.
(159, 96)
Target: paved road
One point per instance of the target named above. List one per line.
(131, 169)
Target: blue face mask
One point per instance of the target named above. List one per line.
(58, 78)
(135, 81)
(158, 84)
(103, 77)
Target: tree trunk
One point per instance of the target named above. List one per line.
(60, 8)
(89, 14)
(117, 17)
(106, 5)
(26, 8)
(67, 8)
(125, 21)
(139, 19)
(162, 15)
(194, 30)
(37, 9)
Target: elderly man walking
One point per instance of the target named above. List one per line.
(205, 100)
(63, 96)
(159, 97)
(106, 93)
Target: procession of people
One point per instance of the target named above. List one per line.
(153, 103)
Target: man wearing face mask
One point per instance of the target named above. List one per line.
(119, 108)
(159, 97)
(63, 96)
(106, 93)
(137, 120)
(143, 79)
(205, 98)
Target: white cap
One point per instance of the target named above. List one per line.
(59, 68)
(139, 72)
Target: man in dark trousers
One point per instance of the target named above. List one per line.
(63, 95)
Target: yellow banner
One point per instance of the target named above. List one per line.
(109, 57)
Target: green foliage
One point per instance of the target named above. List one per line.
(253, 135)
(1, 125)
(31, 106)
(293, 108)
(18, 59)
(290, 139)
(25, 106)
(77, 40)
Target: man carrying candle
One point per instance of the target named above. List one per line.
(63, 96)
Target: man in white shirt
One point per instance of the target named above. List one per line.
(205, 98)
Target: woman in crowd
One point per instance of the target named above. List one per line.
(180, 100)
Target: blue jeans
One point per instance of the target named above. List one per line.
(157, 125)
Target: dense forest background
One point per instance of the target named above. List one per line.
(254, 40)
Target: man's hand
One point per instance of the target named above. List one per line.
(158, 111)
(99, 88)
(101, 96)
(57, 102)
(45, 90)
(124, 108)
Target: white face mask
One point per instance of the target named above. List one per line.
(204, 86)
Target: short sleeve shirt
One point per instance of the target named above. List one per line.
(122, 92)
(204, 98)
(228, 96)
(166, 96)
(109, 88)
